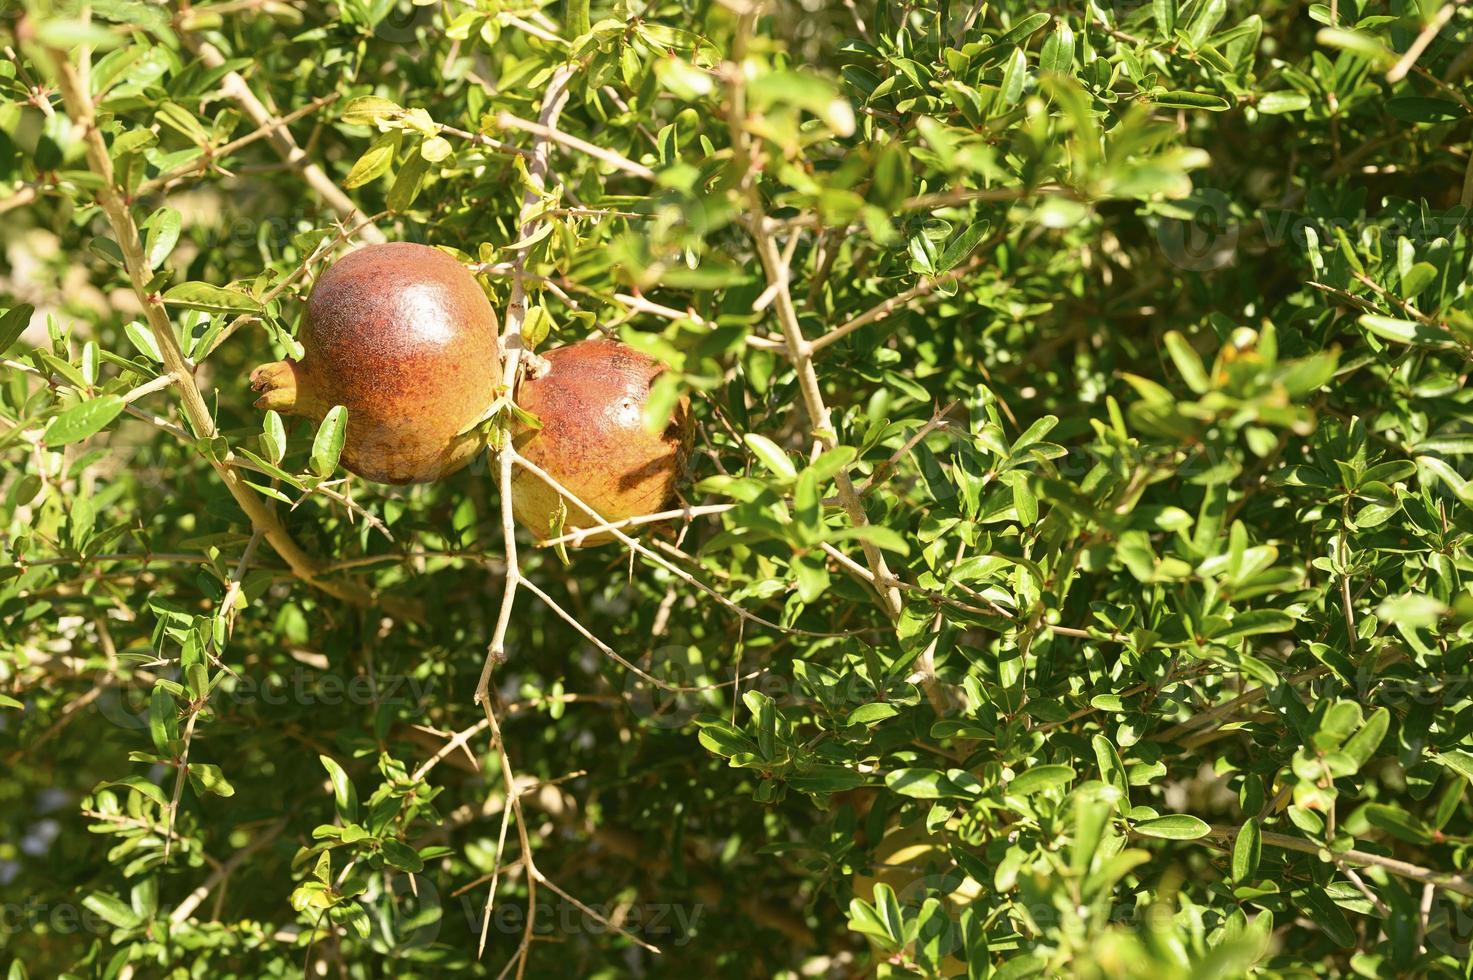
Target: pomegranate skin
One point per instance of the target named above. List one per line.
(593, 441)
(403, 336)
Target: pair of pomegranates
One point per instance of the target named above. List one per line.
(403, 336)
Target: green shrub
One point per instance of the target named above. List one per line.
(1074, 581)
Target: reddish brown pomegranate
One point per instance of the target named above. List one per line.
(593, 440)
(402, 336)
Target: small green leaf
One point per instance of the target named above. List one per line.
(868, 714)
(112, 910)
(327, 445)
(400, 855)
(1402, 331)
(408, 181)
(375, 161)
(273, 437)
(83, 420)
(13, 323)
(1039, 778)
(1192, 100)
(142, 338)
(1246, 850)
(1188, 362)
(1278, 103)
(435, 149)
(1417, 108)
(771, 455)
(344, 794)
(162, 721)
(210, 779)
(1177, 826)
(163, 233)
(369, 110)
(211, 299)
(961, 248)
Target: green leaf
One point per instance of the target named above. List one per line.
(400, 855)
(771, 455)
(435, 149)
(142, 785)
(1254, 623)
(1364, 743)
(369, 110)
(84, 419)
(162, 721)
(1416, 108)
(1039, 778)
(112, 910)
(163, 233)
(1188, 362)
(13, 323)
(327, 445)
(1356, 43)
(142, 338)
(67, 33)
(211, 299)
(868, 714)
(375, 161)
(1456, 760)
(1057, 54)
(1402, 331)
(6, 701)
(961, 247)
(1192, 100)
(1278, 103)
(409, 180)
(1014, 76)
(1177, 826)
(920, 784)
(1247, 849)
(1397, 822)
(273, 437)
(210, 779)
(344, 794)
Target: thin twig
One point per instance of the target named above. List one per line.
(883, 309)
(192, 901)
(1405, 62)
(634, 545)
(547, 133)
(234, 86)
(575, 537)
(1402, 869)
(200, 166)
(553, 99)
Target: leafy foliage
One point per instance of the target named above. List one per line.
(1073, 583)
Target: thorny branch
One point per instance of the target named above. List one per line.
(262, 516)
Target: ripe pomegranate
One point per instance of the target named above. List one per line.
(402, 336)
(590, 399)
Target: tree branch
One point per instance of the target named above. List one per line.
(234, 86)
(262, 516)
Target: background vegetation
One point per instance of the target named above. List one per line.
(1080, 487)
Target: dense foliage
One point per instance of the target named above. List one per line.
(1080, 495)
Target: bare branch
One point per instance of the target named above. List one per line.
(234, 86)
(125, 230)
(546, 132)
